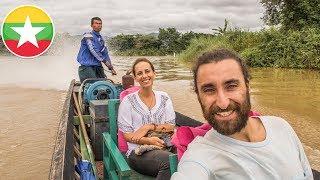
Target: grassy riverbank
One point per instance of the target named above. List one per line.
(265, 48)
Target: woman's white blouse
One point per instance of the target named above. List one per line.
(133, 113)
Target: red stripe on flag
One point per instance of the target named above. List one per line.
(27, 49)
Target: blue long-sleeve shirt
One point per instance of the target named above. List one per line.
(93, 50)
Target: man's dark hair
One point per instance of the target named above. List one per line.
(141, 60)
(216, 56)
(95, 18)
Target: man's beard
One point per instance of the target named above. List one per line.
(229, 127)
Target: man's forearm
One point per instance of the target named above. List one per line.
(108, 64)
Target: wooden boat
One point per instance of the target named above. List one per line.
(70, 145)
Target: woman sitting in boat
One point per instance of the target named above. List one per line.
(145, 111)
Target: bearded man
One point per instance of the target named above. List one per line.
(238, 146)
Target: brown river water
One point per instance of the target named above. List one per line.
(32, 93)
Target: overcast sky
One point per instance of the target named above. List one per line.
(145, 16)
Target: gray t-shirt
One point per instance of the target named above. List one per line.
(215, 156)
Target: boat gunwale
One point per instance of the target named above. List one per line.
(62, 158)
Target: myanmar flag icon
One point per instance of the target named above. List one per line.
(27, 31)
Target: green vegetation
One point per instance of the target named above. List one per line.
(294, 43)
(292, 14)
(292, 49)
(266, 48)
(167, 41)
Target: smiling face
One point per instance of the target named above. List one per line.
(223, 95)
(144, 74)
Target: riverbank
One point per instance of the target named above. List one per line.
(266, 48)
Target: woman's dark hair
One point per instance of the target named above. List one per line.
(216, 56)
(141, 60)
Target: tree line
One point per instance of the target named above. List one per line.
(166, 42)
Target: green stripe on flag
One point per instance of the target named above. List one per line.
(10, 34)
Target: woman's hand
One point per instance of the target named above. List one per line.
(164, 128)
(155, 141)
(141, 132)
